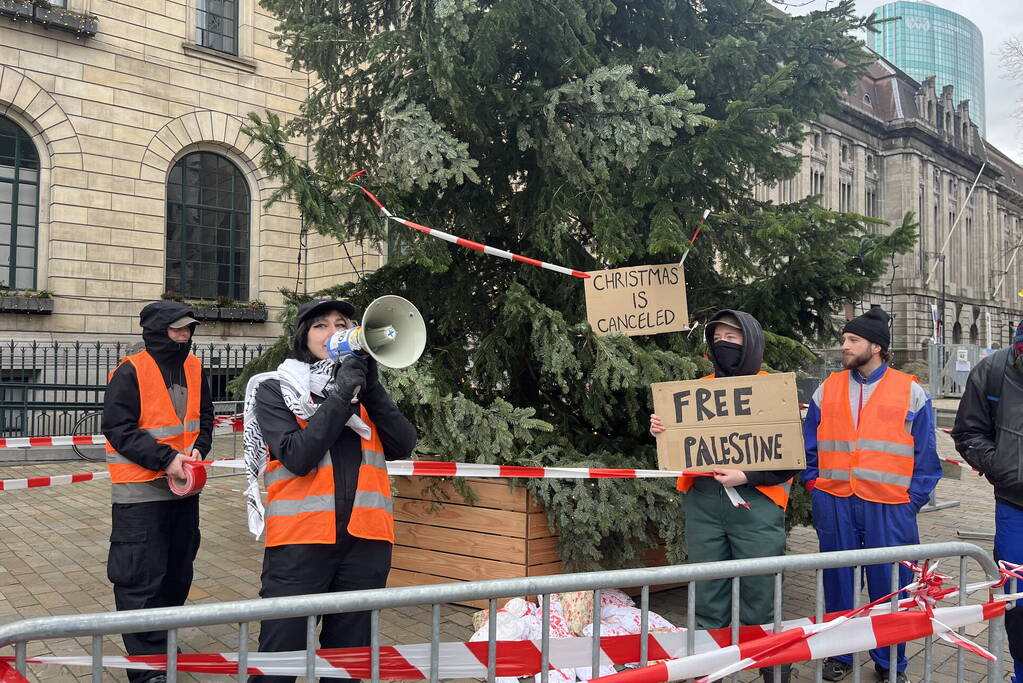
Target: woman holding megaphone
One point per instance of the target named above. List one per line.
(319, 430)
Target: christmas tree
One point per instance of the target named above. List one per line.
(587, 133)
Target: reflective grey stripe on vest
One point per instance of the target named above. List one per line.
(882, 477)
(290, 508)
(282, 473)
(173, 430)
(164, 432)
(372, 499)
(374, 458)
(118, 459)
(835, 475)
(841, 446)
(144, 492)
(786, 487)
(885, 447)
(900, 449)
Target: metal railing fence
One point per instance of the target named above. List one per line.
(54, 388)
(244, 612)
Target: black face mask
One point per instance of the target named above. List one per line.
(727, 356)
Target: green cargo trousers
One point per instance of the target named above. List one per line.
(716, 531)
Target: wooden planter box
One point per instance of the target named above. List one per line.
(503, 535)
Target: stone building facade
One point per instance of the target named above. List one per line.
(896, 145)
(124, 172)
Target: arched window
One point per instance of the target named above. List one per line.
(207, 228)
(19, 206)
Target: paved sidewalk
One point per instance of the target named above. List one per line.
(53, 545)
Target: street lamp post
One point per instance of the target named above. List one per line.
(941, 304)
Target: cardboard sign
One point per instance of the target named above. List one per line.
(637, 300)
(737, 423)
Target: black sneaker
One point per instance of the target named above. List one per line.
(882, 675)
(835, 670)
(785, 676)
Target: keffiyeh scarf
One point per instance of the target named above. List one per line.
(299, 381)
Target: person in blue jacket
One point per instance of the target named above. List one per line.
(864, 490)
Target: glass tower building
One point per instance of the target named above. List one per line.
(926, 40)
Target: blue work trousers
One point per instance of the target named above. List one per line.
(852, 523)
(1009, 547)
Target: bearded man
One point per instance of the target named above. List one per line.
(871, 464)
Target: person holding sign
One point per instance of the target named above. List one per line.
(716, 530)
(871, 464)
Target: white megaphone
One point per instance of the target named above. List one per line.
(392, 332)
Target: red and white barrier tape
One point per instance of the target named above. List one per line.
(425, 468)
(713, 649)
(193, 481)
(816, 641)
(857, 630)
(41, 482)
(429, 468)
(235, 423)
(469, 244)
(37, 441)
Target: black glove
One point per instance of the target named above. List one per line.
(349, 376)
(372, 372)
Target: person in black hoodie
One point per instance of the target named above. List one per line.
(988, 433)
(715, 529)
(157, 415)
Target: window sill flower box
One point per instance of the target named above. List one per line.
(16, 9)
(249, 315)
(26, 304)
(206, 313)
(230, 314)
(253, 315)
(44, 14)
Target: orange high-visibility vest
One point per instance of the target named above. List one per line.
(301, 509)
(875, 459)
(778, 493)
(157, 416)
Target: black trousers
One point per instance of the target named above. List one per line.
(152, 547)
(303, 569)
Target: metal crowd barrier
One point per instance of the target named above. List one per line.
(20, 633)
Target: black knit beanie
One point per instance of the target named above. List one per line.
(872, 326)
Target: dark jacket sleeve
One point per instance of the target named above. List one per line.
(770, 477)
(974, 430)
(299, 449)
(121, 418)
(204, 442)
(397, 434)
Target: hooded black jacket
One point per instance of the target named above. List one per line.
(749, 364)
(995, 450)
(121, 403)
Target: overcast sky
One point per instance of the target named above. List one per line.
(997, 20)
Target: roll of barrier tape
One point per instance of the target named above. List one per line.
(195, 479)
